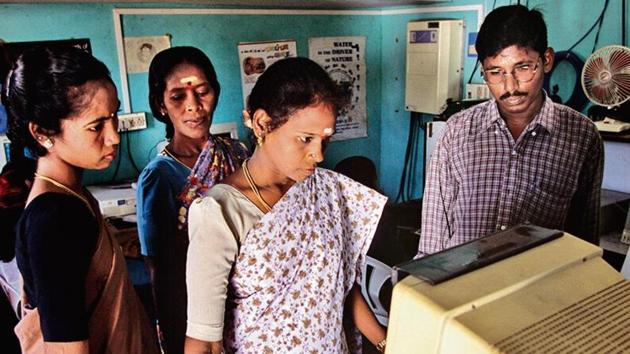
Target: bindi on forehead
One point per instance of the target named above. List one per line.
(327, 132)
(189, 80)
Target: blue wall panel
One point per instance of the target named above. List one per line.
(219, 35)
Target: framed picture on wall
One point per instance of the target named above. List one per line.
(139, 51)
(255, 58)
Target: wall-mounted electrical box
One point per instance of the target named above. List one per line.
(434, 64)
(477, 92)
(132, 121)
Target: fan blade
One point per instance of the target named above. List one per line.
(599, 92)
(593, 67)
(619, 61)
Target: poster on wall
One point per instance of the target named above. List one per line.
(255, 57)
(139, 51)
(344, 60)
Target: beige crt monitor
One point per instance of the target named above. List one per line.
(556, 296)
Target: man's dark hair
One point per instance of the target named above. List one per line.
(511, 25)
(163, 65)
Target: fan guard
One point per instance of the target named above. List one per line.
(606, 76)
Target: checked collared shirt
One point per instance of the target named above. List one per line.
(481, 180)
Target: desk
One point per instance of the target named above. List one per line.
(623, 137)
(616, 161)
(614, 211)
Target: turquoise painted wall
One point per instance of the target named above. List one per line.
(395, 121)
(567, 21)
(218, 35)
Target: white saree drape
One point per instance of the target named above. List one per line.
(298, 264)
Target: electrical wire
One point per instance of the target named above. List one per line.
(599, 28)
(405, 187)
(118, 159)
(413, 158)
(578, 99)
(599, 18)
(416, 149)
(404, 170)
(401, 185)
(152, 152)
(133, 163)
(408, 180)
(623, 22)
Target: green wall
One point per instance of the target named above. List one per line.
(218, 35)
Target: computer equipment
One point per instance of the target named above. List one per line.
(524, 290)
(115, 200)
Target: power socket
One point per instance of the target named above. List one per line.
(477, 92)
(132, 121)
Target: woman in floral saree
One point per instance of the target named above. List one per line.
(277, 247)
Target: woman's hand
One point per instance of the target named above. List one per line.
(81, 347)
(364, 319)
(197, 346)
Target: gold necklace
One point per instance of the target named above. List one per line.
(171, 155)
(254, 187)
(65, 188)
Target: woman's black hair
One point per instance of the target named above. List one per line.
(511, 25)
(291, 84)
(163, 65)
(44, 87)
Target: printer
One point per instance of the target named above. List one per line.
(115, 200)
(118, 206)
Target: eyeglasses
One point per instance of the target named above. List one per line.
(522, 73)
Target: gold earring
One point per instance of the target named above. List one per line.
(259, 139)
(48, 143)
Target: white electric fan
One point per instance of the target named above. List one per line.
(606, 82)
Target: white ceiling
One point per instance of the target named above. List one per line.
(314, 4)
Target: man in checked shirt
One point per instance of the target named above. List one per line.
(517, 158)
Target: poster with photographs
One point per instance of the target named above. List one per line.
(139, 51)
(344, 60)
(255, 57)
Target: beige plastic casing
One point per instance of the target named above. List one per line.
(472, 312)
